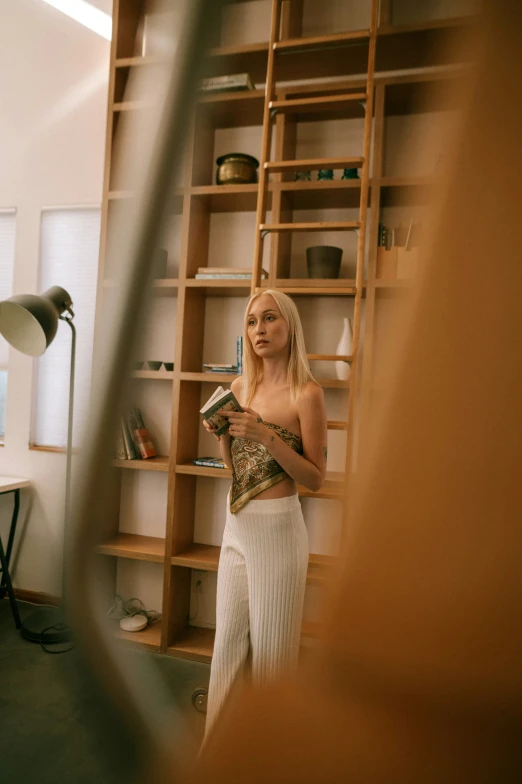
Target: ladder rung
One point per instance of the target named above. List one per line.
(322, 226)
(316, 104)
(314, 164)
(322, 41)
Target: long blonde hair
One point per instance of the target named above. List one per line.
(299, 373)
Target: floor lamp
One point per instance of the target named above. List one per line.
(29, 323)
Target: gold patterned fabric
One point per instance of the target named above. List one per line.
(253, 467)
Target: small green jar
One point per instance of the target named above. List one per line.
(325, 174)
(350, 174)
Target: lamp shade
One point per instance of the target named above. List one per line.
(29, 322)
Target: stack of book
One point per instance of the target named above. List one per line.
(226, 273)
(228, 83)
(133, 439)
(216, 368)
(210, 462)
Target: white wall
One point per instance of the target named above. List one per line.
(53, 83)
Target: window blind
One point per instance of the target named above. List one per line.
(69, 248)
(7, 255)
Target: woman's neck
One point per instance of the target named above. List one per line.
(275, 371)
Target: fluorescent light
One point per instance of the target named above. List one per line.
(85, 13)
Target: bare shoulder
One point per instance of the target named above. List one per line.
(312, 394)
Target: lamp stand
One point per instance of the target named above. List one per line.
(47, 626)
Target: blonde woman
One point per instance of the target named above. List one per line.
(278, 441)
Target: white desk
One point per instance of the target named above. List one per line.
(10, 484)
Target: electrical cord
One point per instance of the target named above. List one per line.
(122, 609)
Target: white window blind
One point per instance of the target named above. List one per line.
(69, 248)
(7, 255)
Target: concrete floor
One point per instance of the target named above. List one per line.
(56, 728)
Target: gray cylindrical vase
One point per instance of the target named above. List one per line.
(323, 261)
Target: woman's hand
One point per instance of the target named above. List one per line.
(210, 429)
(246, 424)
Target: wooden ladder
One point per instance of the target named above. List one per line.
(317, 104)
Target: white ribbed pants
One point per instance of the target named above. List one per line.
(260, 594)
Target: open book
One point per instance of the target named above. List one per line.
(222, 398)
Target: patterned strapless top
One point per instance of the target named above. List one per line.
(253, 467)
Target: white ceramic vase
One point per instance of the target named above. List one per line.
(344, 346)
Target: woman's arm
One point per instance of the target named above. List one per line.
(309, 469)
(224, 440)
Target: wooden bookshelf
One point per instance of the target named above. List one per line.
(198, 203)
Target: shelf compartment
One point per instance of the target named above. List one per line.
(314, 164)
(159, 463)
(232, 110)
(322, 56)
(195, 643)
(138, 548)
(221, 288)
(320, 194)
(252, 58)
(149, 639)
(228, 198)
(328, 107)
(198, 556)
(320, 226)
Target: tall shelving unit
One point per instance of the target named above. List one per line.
(194, 204)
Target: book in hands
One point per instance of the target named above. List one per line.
(221, 399)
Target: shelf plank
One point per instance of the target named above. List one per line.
(314, 164)
(228, 198)
(198, 556)
(336, 425)
(159, 463)
(138, 548)
(306, 290)
(153, 375)
(329, 357)
(221, 287)
(211, 378)
(149, 639)
(333, 487)
(197, 643)
(320, 226)
(331, 107)
(322, 41)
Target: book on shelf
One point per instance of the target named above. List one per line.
(130, 450)
(209, 462)
(239, 354)
(229, 271)
(140, 435)
(215, 365)
(228, 83)
(222, 398)
(223, 276)
(230, 371)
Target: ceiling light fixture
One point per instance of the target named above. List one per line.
(85, 13)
